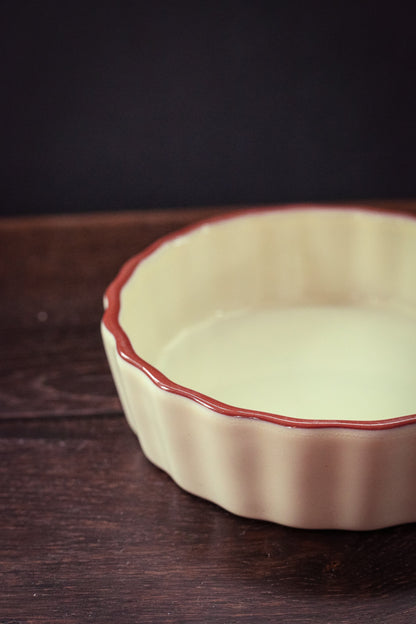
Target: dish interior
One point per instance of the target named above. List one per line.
(304, 313)
(325, 362)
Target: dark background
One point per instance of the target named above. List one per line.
(116, 106)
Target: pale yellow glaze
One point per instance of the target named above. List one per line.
(306, 312)
(305, 362)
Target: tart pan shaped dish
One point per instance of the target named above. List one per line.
(266, 360)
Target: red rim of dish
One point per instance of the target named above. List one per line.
(124, 347)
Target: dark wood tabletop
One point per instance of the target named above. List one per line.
(90, 531)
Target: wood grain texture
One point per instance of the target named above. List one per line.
(90, 531)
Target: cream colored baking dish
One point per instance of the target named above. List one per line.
(267, 362)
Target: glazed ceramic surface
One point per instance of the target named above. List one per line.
(267, 361)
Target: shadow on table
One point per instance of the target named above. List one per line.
(356, 564)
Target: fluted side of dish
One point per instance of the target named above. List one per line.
(301, 477)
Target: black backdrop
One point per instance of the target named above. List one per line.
(129, 105)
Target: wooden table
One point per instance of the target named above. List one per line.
(90, 531)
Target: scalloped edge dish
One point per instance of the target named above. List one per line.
(332, 472)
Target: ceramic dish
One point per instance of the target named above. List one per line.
(267, 362)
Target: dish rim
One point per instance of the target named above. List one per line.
(112, 305)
